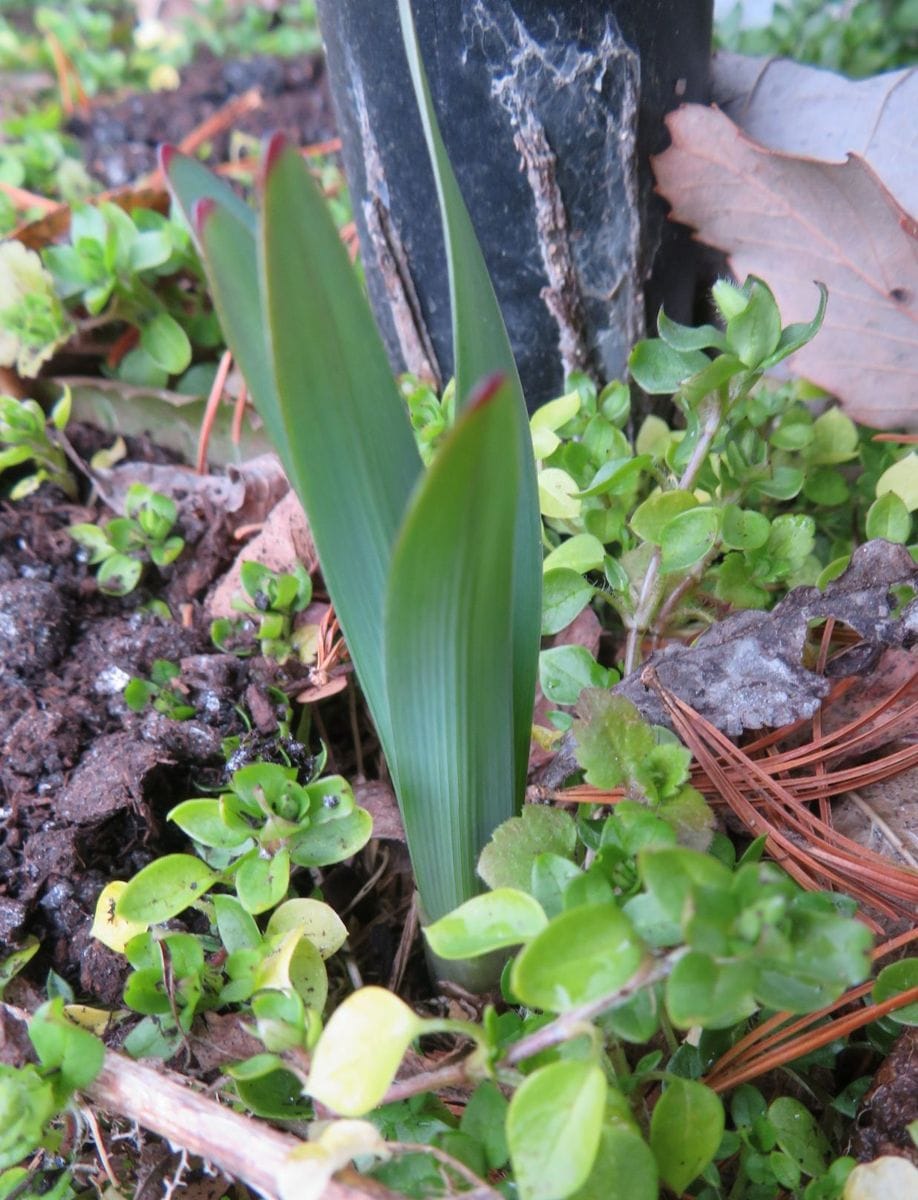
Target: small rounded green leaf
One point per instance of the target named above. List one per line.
(119, 575)
(360, 1049)
(553, 1129)
(651, 518)
(700, 991)
(558, 494)
(262, 882)
(685, 1131)
(292, 963)
(332, 842)
(584, 953)
(753, 333)
(743, 529)
(164, 889)
(582, 552)
(201, 819)
(564, 671)
(313, 920)
(901, 478)
(504, 917)
(166, 343)
(889, 518)
(624, 1169)
(618, 475)
(565, 594)
(835, 439)
(898, 977)
(688, 538)
(660, 370)
(235, 925)
(798, 1135)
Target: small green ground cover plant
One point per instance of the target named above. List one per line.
(123, 545)
(250, 840)
(160, 690)
(32, 1096)
(27, 439)
(861, 38)
(273, 598)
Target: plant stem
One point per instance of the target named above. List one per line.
(241, 1147)
(482, 1191)
(568, 1024)
(647, 600)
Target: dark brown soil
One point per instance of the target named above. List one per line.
(120, 138)
(85, 783)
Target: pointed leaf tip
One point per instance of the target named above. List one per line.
(166, 153)
(486, 389)
(274, 148)
(200, 211)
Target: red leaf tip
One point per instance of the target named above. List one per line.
(486, 389)
(275, 147)
(201, 211)
(166, 155)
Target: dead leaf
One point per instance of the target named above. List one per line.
(884, 817)
(379, 800)
(873, 118)
(247, 492)
(793, 220)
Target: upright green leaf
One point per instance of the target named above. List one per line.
(481, 347)
(224, 228)
(553, 1128)
(190, 181)
(448, 667)
(685, 1131)
(350, 452)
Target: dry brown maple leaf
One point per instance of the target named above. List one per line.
(814, 113)
(793, 220)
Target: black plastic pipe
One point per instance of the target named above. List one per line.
(549, 113)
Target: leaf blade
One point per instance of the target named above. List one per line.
(480, 348)
(447, 659)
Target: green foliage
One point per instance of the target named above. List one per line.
(30, 1096)
(249, 841)
(32, 318)
(110, 50)
(554, 1125)
(37, 156)
(685, 1131)
(860, 38)
(27, 436)
(274, 599)
(636, 933)
(252, 835)
(758, 493)
(617, 748)
(160, 690)
(124, 544)
(781, 1147)
(128, 268)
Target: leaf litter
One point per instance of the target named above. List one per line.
(794, 219)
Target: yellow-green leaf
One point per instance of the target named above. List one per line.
(359, 1051)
